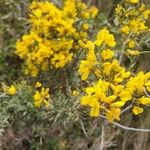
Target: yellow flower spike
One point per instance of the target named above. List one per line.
(133, 52)
(107, 54)
(42, 97)
(125, 96)
(87, 66)
(11, 90)
(144, 100)
(137, 110)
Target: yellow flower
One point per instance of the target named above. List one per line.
(137, 110)
(95, 109)
(38, 84)
(98, 100)
(107, 54)
(113, 113)
(116, 89)
(133, 52)
(41, 97)
(132, 1)
(148, 86)
(142, 7)
(85, 100)
(75, 93)
(125, 29)
(107, 67)
(11, 90)
(118, 79)
(85, 26)
(93, 11)
(125, 96)
(85, 15)
(131, 44)
(118, 9)
(86, 66)
(82, 44)
(146, 14)
(105, 37)
(144, 100)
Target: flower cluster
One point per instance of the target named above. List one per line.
(115, 88)
(11, 90)
(52, 39)
(91, 63)
(42, 96)
(130, 19)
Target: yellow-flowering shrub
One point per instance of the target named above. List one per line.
(113, 88)
(52, 38)
(57, 35)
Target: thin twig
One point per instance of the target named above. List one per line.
(126, 109)
(146, 93)
(127, 128)
(123, 47)
(145, 52)
(102, 137)
(83, 128)
(57, 3)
